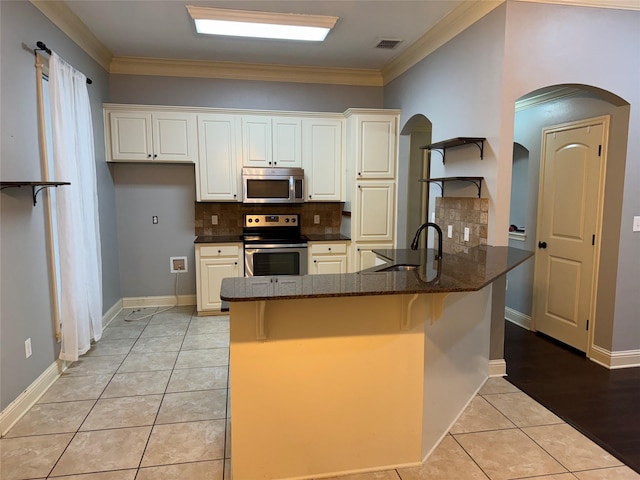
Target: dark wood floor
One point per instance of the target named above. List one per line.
(603, 404)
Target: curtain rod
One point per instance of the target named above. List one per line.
(41, 46)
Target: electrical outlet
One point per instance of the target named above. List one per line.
(27, 348)
(636, 224)
(449, 231)
(466, 234)
(154, 219)
(433, 217)
(178, 264)
(214, 219)
(316, 219)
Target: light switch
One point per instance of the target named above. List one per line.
(316, 219)
(433, 217)
(636, 224)
(214, 219)
(466, 234)
(449, 231)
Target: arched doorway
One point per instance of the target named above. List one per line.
(413, 165)
(557, 105)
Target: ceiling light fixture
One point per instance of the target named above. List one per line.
(245, 23)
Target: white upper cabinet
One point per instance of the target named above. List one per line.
(375, 145)
(271, 141)
(322, 159)
(152, 136)
(217, 176)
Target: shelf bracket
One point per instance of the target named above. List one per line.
(36, 187)
(477, 183)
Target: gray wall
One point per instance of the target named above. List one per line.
(257, 95)
(26, 310)
(168, 191)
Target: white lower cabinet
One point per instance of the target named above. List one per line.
(213, 263)
(328, 257)
(374, 211)
(363, 256)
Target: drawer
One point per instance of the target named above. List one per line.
(220, 251)
(328, 249)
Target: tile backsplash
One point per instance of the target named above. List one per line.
(461, 212)
(230, 216)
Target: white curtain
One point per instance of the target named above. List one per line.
(76, 210)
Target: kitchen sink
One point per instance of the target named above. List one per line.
(398, 268)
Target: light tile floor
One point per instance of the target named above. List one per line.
(151, 401)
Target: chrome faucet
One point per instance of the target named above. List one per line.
(416, 239)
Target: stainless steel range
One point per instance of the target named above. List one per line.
(273, 245)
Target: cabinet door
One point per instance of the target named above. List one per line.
(257, 149)
(375, 211)
(216, 175)
(328, 264)
(131, 136)
(365, 258)
(287, 142)
(174, 137)
(210, 275)
(322, 159)
(376, 146)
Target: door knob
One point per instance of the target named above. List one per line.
(542, 244)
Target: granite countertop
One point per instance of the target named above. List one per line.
(326, 237)
(312, 237)
(218, 239)
(463, 272)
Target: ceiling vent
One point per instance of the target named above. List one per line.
(387, 44)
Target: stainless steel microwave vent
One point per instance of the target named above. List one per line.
(388, 44)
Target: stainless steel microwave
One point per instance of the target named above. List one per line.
(272, 185)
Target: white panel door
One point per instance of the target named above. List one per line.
(376, 146)
(216, 175)
(287, 142)
(570, 189)
(322, 159)
(257, 149)
(375, 211)
(131, 136)
(174, 137)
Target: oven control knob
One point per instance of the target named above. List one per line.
(257, 220)
(250, 220)
(293, 220)
(286, 220)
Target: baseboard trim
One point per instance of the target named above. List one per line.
(112, 313)
(160, 301)
(497, 368)
(615, 360)
(21, 405)
(518, 318)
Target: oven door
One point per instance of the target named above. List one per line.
(275, 259)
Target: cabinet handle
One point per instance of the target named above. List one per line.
(359, 174)
(315, 261)
(309, 196)
(235, 263)
(219, 251)
(329, 248)
(149, 156)
(234, 195)
(155, 156)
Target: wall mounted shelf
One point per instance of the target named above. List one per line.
(36, 187)
(477, 181)
(455, 142)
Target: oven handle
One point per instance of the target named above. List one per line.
(274, 245)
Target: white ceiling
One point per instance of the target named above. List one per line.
(164, 29)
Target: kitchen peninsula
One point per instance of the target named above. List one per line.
(336, 374)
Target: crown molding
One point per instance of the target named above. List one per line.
(67, 21)
(550, 96)
(462, 17)
(615, 4)
(244, 71)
